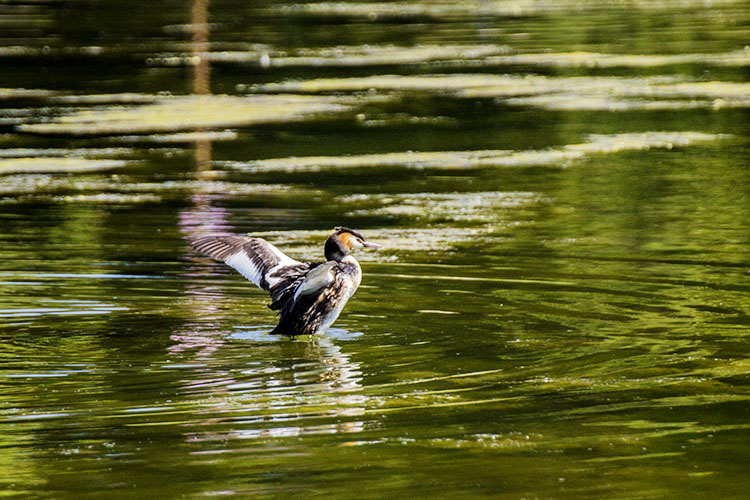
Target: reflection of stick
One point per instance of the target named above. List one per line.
(202, 66)
(201, 71)
(202, 155)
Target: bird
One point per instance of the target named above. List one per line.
(308, 296)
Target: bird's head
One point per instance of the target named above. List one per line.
(342, 241)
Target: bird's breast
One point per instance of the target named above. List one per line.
(349, 267)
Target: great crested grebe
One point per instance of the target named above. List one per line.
(308, 295)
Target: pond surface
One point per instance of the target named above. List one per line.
(561, 308)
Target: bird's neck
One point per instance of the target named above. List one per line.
(333, 251)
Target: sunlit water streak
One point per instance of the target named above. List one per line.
(442, 56)
(598, 144)
(559, 308)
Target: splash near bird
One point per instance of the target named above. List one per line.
(308, 295)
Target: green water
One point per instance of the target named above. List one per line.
(560, 309)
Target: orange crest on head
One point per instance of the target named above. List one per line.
(346, 239)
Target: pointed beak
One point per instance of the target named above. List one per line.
(367, 244)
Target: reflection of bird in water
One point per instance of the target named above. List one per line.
(308, 295)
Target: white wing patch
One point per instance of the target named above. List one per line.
(284, 259)
(247, 268)
(317, 279)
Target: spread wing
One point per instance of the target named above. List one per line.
(255, 258)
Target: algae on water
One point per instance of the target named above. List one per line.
(553, 157)
(183, 113)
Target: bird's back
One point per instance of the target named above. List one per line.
(313, 310)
